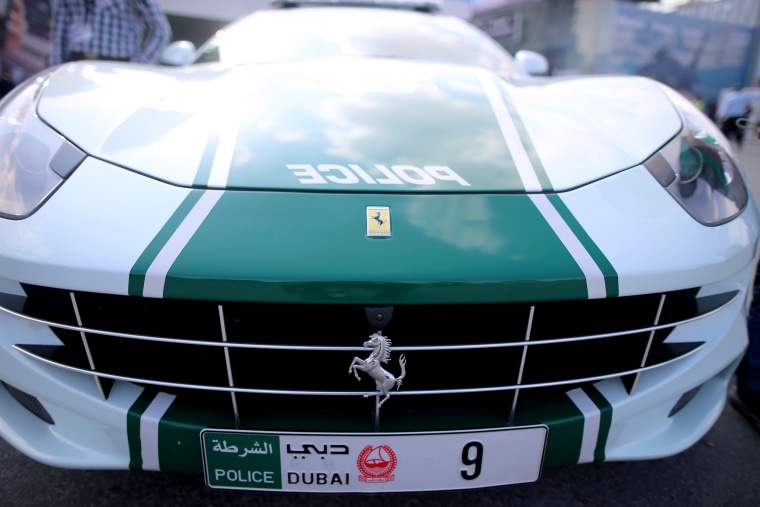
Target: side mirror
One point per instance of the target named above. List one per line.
(178, 54)
(531, 62)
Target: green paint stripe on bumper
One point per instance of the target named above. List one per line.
(565, 422)
(133, 428)
(605, 410)
(143, 422)
(179, 445)
(180, 448)
(578, 431)
(166, 430)
(597, 413)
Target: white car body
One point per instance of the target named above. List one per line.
(185, 250)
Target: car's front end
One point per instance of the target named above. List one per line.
(189, 286)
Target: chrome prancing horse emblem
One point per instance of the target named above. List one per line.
(381, 353)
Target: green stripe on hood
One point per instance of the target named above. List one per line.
(207, 160)
(285, 247)
(530, 148)
(137, 274)
(610, 275)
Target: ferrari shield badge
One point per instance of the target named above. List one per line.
(372, 366)
(378, 222)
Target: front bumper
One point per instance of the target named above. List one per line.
(606, 419)
(609, 380)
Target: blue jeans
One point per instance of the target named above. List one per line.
(748, 374)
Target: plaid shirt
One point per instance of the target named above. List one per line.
(133, 29)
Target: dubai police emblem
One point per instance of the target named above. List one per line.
(378, 222)
(376, 464)
(372, 366)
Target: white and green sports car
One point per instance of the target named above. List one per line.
(202, 267)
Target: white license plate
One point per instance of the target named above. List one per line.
(372, 462)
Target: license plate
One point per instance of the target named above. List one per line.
(372, 462)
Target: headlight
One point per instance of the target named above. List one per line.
(34, 159)
(698, 170)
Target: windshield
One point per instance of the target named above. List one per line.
(325, 32)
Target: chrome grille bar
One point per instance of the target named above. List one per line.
(522, 365)
(365, 394)
(423, 348)
(185, 358)
(649, 345)
(229, 367)
(86, 345)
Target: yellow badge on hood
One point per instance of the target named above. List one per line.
(378, 222)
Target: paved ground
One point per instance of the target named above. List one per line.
(723, 469)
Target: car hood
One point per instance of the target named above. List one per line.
(358, 125)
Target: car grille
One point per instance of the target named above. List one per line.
(285, 367)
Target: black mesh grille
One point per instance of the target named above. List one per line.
(463, 361)
(31, 403)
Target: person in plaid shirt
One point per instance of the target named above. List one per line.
(122, 30)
